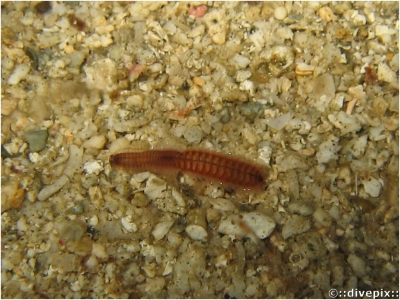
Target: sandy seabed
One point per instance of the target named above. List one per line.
(307, 90)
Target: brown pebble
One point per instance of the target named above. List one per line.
(43, 7)
(74, 21)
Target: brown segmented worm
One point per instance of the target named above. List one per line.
(212, 165)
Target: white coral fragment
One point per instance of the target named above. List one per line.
(161, 229)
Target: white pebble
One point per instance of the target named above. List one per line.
(178, 197)
(386, 74)
(197, 31)
(357, 264)
(19, 74)
(295, 225)
(360, 20)
(240, 61)
(34, 157)
(22, 225)
(391, 268)
(140, 177)
(93, 166)
(76, 286)
(261, 225)
(92, 263)
(381, 30)
(300, 208)
(280, 13)
(155, 187)
(119, 144)
(249, 134)
(247, 85)
(360, 145)
(168, 269)
(96, 142)
(279, 122)
(329, 244)
(93, 221)
(371, 17)
(285, 33)
(334, 212)
(193, 134)
(322, 217)
(161, 229)
(197, 233)
(135, 100)
(99, 251)
(328, 150)
(375, 133)
(230, 226)
(372, 187)
(242, 75)
(6, 265)
(222, 204)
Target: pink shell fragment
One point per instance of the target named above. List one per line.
(198, 11)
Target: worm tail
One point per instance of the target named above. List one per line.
(227, 169)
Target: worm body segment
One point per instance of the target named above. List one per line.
(216, 166)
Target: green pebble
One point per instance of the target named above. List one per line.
(4, 152)
(37, 139)
(252, 109)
